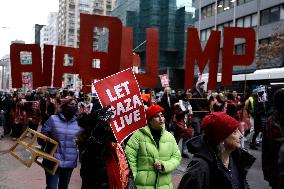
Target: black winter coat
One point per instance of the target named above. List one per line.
(206, 171)
(199, 104)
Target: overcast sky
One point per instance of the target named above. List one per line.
(18, 17)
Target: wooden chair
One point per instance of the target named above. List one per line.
(27, 151)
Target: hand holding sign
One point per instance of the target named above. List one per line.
(122, 93)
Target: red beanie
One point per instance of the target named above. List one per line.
(152, 110)
(218, 125)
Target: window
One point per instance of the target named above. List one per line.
(220, 27)
(274, 14)
(203, 35)
(220, 6)
(203, 12)
(226, 24)
(264, 17)
(270, 15)
(224, 5)
(239, 49)
(207, 11)
(232, 3)
(254, 20)
(264, 41)
(240, 2)
(247, 22)
(240, 23)
(248, 1)
(208, 31)
(282, 12)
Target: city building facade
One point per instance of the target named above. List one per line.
(49, 33)
(37, 29)
(5, 76)
(266, 17)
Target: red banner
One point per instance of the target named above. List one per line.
(121, 92)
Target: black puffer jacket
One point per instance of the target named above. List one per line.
(93, 148)
(94, 145)
(206, 171)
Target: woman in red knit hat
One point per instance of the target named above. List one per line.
(218, 160)
(152, 152)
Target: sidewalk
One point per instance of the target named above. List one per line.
(15, 175)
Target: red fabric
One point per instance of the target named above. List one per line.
(117, 167)
(218, 126)
(182, 130)
(152, 110)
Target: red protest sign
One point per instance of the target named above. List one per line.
(121, 92)
(164, 80)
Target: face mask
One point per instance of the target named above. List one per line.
(70, 111)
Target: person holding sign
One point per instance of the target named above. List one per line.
(103, 162)
(152, 152)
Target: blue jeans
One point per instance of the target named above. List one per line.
(61, 178)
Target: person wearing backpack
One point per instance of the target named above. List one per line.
(273, 137)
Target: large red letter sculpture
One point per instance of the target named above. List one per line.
(109, 62)
(229, 58)
(60, 68)
(120, 55)
(17, 68)
(194, 55)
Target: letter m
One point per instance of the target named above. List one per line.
(194, 54)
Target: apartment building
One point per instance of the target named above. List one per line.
(49, 33)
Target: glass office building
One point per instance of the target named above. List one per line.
(171, 22)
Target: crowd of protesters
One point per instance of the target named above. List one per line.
(212, 127)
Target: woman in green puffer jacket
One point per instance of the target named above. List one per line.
(153, 153)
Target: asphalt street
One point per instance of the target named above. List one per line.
(14, 175)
